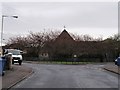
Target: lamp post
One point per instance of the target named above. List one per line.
(3, 16)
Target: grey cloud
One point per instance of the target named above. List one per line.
(36, 16)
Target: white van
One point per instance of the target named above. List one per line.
(16, 55)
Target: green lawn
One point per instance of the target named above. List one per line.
(60, 62)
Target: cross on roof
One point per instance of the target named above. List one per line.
(64, 27)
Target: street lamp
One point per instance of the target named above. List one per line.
(3, 16)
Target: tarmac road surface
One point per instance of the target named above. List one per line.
(69, 76)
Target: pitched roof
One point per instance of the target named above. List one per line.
(64, 36)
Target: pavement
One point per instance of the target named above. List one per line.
(15, 75)
(19, 73)
(112, 68)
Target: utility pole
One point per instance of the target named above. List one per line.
(3, 16)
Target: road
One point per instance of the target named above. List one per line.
(69, 76)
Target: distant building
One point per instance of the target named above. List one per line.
(62, 46)
(64, 37)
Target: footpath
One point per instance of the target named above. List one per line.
(112, 68)
(15, 75)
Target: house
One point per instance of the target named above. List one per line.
(62, 46)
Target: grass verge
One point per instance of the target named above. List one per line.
(60, 62)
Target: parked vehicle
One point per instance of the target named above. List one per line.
(117, 61)
(16, 55)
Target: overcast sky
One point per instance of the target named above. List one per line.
(94, 18)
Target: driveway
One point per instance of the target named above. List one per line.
(69, 76)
